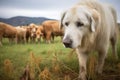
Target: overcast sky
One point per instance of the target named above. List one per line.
(42, 8)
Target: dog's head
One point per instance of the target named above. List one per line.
(78, 22)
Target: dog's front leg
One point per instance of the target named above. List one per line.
(82, 65)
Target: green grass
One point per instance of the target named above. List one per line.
(49, 55)
(19, 55)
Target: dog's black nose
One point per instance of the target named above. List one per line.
(67, 43)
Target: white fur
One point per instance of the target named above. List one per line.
(99, 28)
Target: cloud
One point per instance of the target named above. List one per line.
(37, 4)
(8, 12)
(45, 8)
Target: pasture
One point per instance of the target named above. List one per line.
(50, 62)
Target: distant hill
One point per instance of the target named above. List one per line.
(22, 20)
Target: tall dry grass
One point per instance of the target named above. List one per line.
(45, 74)
(55, 71)
(67, 77)
(8, 68)
(92, 61)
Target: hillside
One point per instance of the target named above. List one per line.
(22, 20)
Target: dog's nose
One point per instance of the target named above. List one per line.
(67, 43)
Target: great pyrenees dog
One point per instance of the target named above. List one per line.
(89, 26)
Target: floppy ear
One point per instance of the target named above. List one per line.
(92, 26)
(94, 20)
(62, 17)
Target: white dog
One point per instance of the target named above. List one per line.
(90, 26)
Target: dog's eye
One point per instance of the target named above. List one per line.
(66, 24)
(79, 24)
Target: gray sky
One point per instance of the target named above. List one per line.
(42, 8)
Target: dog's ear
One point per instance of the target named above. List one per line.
(92, 24)
(94, 20)
(61, 20)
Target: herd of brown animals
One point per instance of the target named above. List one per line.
(31, 33)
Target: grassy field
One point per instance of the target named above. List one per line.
(50, 62)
